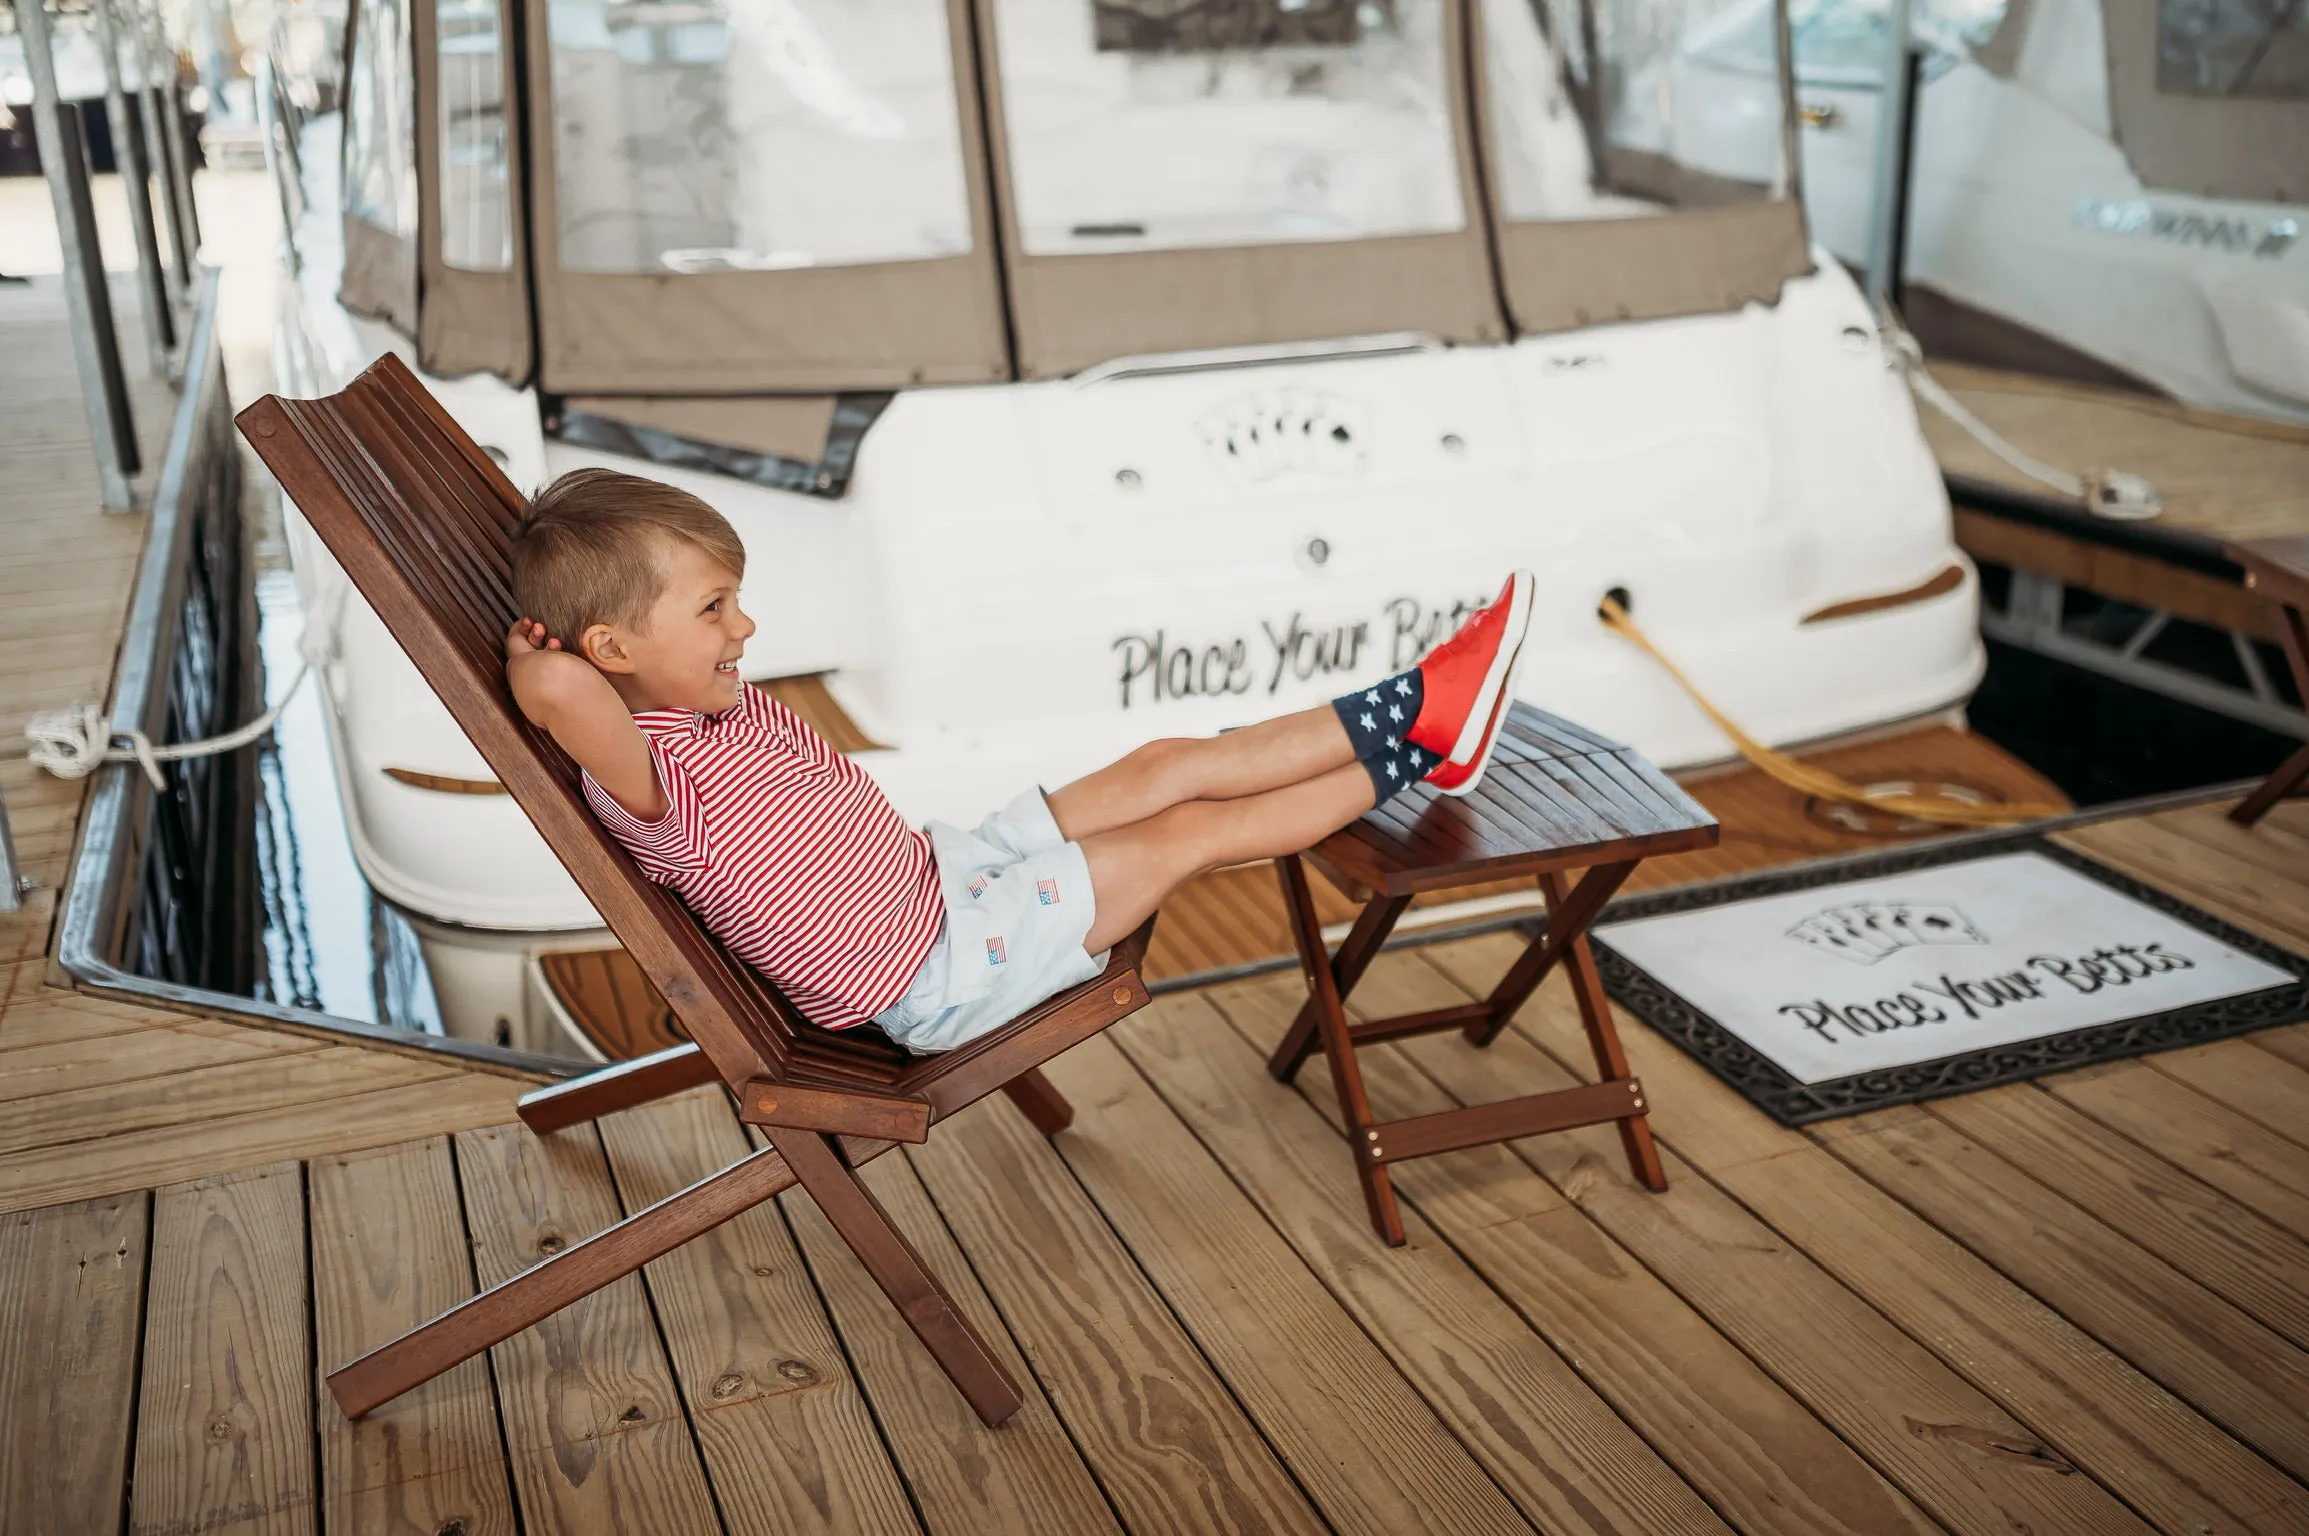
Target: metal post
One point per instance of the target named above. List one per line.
(1888, 206)
(95, 348)
(136, 183)
(150, 107)
(186, 219)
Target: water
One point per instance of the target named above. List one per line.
(331, 943)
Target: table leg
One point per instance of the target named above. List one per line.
(2295, 633)
(1611, 1059)
(1361, 945)
(1567, 920)
(1330, 1012)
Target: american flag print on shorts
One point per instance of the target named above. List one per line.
(995, 953)
(977, 887)
(1046, 892)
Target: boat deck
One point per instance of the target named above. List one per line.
(2222, 477)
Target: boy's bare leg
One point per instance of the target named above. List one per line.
(1135, 866)
(1289, 749)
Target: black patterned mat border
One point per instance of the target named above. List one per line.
(1792, 1103)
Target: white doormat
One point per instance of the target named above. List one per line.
(1918, 975)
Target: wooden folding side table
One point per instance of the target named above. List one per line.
(2278, 569)
(1555, 799)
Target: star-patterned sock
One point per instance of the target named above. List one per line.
(1393, 772)
(1378, 717)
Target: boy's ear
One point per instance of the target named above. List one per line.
(600, 646)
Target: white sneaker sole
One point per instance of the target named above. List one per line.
(1486, 748)
(1502, 666)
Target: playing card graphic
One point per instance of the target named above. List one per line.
(1864, 932)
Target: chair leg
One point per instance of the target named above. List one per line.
(1363, 942)
(2276, 787)
(1569, 910)
(900, 1272)
(502, 1311)
(622, 1086)
(1041, 1101)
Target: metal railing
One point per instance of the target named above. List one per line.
(156, 154)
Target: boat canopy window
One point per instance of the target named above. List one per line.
(755, 134)
(2233, 48)
(380, 140)
(379, 170)
(1639, 157)
(2211, 97)
(471, 247)
(476, 160)
(1139, 125)
(1231, 173)
(747, 195)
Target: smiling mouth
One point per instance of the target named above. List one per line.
(728, 667)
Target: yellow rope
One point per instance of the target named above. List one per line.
(1808, 780)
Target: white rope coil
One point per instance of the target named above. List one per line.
(75, 741)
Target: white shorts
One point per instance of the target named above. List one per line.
(1018, 906)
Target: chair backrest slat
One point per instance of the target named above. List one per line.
(423, 523)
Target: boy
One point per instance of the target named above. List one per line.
(789, 853)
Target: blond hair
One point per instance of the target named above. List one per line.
(587, 552)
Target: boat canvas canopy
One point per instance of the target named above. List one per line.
(750, 197)
(1309, 179)
(2212, 99)
(1621, 187)
(473, 309)
(703, 200)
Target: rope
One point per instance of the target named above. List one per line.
(1808, 780)
(2110, 493)
(73, 742)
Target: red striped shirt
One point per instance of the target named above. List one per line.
(788, 852)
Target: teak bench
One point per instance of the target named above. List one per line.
(2278, 569)
(1555, 798)
(423, 523)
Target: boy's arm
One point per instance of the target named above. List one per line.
(563, 694)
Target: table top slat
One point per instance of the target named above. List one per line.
(1556, 796)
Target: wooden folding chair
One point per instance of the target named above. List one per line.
(423, 522)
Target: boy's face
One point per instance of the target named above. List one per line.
(686, 657)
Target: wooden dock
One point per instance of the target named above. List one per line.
(2078, 1305)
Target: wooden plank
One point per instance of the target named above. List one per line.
(269, 1080)
(1757, 1455)
(71, 1302)
(1024, 1477)
(2259, 1267)
(1172, 1450)
(1371, 1454)
(2238, 1372)
(2243, 1076)
(137, 1159)
(787, 1440)
(2097, 1410)
(593, 1426)
(1563, 1454)
(105, 1061)
(224, 1423)
(2251, 1164)
(389, 1252)
(2154, 849)
(40, 1015)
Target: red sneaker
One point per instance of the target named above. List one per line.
(1464, 678)
(1461, 778)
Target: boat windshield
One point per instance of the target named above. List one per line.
(715, 135)
(380, 135)
(476, 224)
(1138, 125)
(2233, 48)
